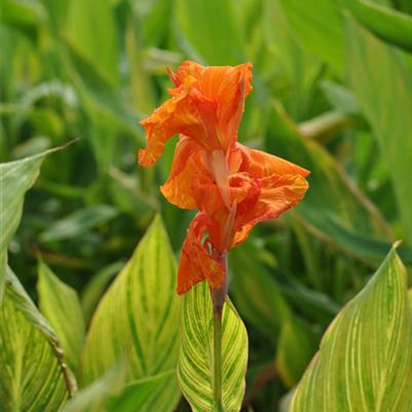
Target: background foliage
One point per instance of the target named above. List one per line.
(332, 93)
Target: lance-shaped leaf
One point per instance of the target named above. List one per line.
(16, 178)
(33, 374)
(374, 89)
(138, 317)
(365, 359)
(60, 304)
(195, 369)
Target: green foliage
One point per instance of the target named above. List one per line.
(138, 317)
(60, 304)
(332, 92)
(365, 358)
(33, 375)
(196, 355)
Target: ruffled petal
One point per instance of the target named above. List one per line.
(277, 194)
(260, 164)
(176, 115)
(196, 264)
(187, 163)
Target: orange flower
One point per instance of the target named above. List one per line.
(232, 186)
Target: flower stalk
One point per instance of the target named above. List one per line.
(218, 300)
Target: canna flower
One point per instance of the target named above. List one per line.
(232, 187)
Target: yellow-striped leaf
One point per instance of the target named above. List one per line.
(60, 304)
(195, 370)
(138, 317)
(15, 179)
(33, 375)
(365, 358)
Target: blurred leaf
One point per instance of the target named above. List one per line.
(365, 358)
(78, 223)
(136, 394)
(256, 295)
(196, 355)
(332, 207)
(297, 344)
(138, 317)
(26, 16)
(100, 92)
(15, 179)
(392, 127)
(95, 288)
(318, 26)
(98, 46)
(60, 304)
(202, 25)
(384, 22)
(340, 97)
(34, 376)
(97, 396)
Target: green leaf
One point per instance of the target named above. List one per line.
(98, 396)
(202, 25)
(318, 25)
(333, 209)
(196, 355)
(98, 46)
(136, 394)
(138, 317)
(33, 373)
(60, 304)
(384, 22)
(24, 16)
(95, 288)
(296, 346)
(255, 293)
(78, 223)
(16, 178)
(378, 76)
(365, 357)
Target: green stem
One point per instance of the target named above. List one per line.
(218, 299)
(217, 364)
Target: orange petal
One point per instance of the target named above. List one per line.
(261, 164)
(172, 117)
(187, 163)
(196, 263)
(277, 194)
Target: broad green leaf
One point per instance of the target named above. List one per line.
(16, 178)
(98, 396)
(78, 223)
(318, 25)
(136, 394)
(60, 304)
(255, 293)
(98, 46)
(138, 317)
(33, 374)
(384, 22)
(365, 359)
(375, 89)
(196, 356)
(333, 209)
(95, 288)
(297, 344)
(202, 25)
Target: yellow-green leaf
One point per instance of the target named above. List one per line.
(196, 356)
(60, 304)
(33, 375)
(365, 359)
(138, 317)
